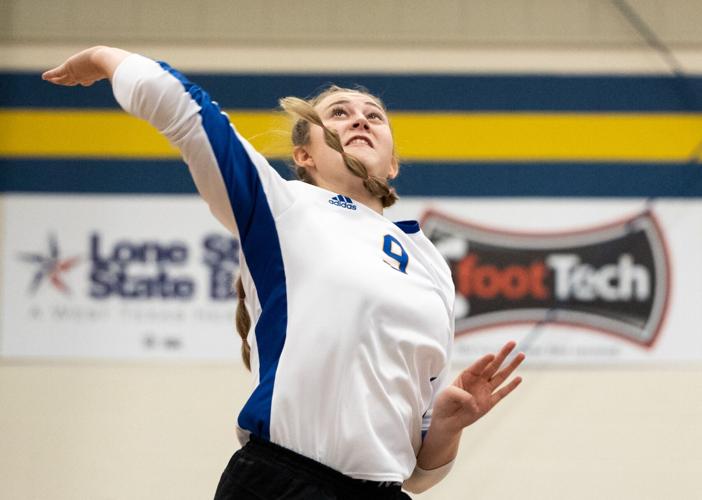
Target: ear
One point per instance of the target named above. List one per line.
(302, 158)
(394, 167)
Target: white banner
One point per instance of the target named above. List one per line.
(116, 277)
(574, 281)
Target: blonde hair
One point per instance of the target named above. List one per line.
(304, 113)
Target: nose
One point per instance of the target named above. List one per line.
(361, 121)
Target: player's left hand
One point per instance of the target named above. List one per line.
(476, 390)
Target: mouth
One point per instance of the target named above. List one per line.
(359, 140)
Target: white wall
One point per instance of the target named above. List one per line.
(378, 22)
(149, 431)
(366, 35)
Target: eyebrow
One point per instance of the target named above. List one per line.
(346, 101)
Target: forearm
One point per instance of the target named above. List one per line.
(435, 458)
(440, 446)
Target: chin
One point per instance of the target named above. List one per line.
(370, 160)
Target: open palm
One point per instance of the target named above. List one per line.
(477, 389)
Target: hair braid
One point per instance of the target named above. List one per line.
(306, 114)
(243, 323)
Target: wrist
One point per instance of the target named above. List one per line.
(98, 55)
(106, 59)
(447, 426)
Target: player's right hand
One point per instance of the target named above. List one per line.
(86, 67)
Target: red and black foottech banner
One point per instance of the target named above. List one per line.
(613, 278)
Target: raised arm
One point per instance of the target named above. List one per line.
(232, 177)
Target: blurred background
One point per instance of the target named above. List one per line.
(550, 148)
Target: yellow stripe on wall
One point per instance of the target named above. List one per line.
(553, 137)
(420, 136)
(114, 134)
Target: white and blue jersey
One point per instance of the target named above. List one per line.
(351, 313)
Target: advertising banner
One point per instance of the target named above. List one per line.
(117, 277)
(579, 281)
(607, 281)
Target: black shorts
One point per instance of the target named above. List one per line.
(263, 470)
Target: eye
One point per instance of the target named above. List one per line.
(338, 111)
(375, 116)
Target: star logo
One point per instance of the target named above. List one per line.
(50, 266)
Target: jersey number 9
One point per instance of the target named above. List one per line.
(394, 250)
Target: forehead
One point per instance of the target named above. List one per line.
(350, 96)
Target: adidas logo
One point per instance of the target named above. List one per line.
(342, 201)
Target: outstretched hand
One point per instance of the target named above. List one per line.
(86, 67)
(477, 390)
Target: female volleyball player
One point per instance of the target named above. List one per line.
(349, 315)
